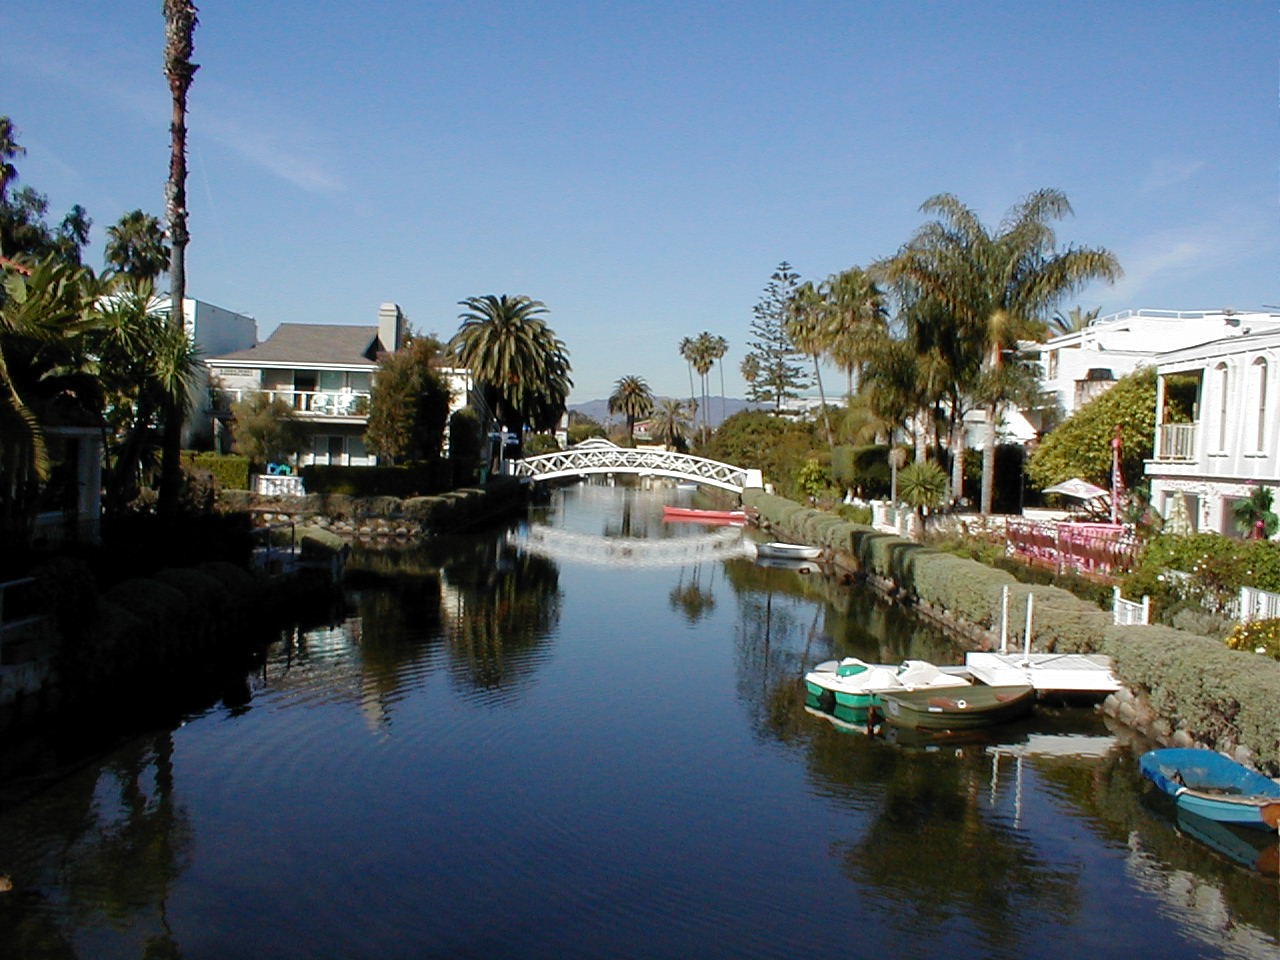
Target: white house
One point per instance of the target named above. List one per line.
(1218, 428)
(325, 372)
(213, 330)
(1076, 367)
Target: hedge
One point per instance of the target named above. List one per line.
(1223, 697)
(413, 480)
(230, 471)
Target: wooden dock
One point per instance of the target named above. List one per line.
(1068, 673)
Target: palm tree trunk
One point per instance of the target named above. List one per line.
(989, 461)
(722, 399)
(957, 459)
(180, 27)
(822, 398)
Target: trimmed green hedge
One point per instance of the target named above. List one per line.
(230, 471)
(1224, 697)
(413, 480)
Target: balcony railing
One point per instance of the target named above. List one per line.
(1176, 441)
(308, 403)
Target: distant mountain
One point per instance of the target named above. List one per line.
(599, 409)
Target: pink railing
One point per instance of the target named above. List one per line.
(1097, 548)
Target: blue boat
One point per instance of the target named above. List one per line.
(1213, 786)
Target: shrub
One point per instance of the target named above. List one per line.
(411, 480)
(1217, 567)
(229, 471)
(1259, 636)
(854, 514)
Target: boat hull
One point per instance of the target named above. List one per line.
(959, 709)
(703, 516)
(858, 685)
(787, 551)
(1213, 786)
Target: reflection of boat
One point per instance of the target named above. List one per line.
(977, 705)
(844, 719)
(800, 566)
(670, 512)
(1214, 786)
(857, 684)
(787, 551)
(1254, 849)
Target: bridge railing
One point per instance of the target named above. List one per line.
(603, 457)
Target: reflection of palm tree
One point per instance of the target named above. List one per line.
(691, 600)
(507, 605)
(129, 856)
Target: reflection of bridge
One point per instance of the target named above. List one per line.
(559, 544)
(601, 456)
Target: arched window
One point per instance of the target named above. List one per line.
(1259, 411)
(1224, 405)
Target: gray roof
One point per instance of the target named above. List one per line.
(345, 345)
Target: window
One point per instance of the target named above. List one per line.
(1259, 377)
(1224, 405)
(331, 381)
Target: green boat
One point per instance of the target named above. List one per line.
(957, 709)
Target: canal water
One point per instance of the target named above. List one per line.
(586, 736)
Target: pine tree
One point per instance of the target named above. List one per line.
(772, 367)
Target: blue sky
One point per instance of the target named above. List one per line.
(642, 167)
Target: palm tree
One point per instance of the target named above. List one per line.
(854, 319)
(688, 348)
(42, 320)
(805, 313)
(1254, 517)
(718, 346)
(9, 149)
(136, 247)
(520, 365)
(147, 367)
(1072, 322)
(633, 399)
(700, 354)
(996, 288)
(671, 422)
(179, 32)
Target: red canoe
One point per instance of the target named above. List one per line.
(704, 516)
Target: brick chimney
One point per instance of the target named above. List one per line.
(390, 327)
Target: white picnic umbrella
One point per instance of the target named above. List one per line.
(1080, 489)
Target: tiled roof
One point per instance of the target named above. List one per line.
(322, 343)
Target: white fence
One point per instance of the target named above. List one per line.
(1127, 613)
(1258, 604)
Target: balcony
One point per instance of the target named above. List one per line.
(1176, 442)
(320, 404)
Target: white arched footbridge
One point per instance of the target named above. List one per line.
(601, 456)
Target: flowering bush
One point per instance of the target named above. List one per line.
(1202, 570)
(1260, 636)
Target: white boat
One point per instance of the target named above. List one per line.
(854, 683)
(787, 551)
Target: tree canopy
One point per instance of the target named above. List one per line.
(771, 366)
(1081, 445)
(520, 366)
(410, 403)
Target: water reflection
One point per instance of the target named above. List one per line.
(692, 802)
(95, 859)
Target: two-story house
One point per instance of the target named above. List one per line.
(1078, 366)
(325, 372)
(1217, 428)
